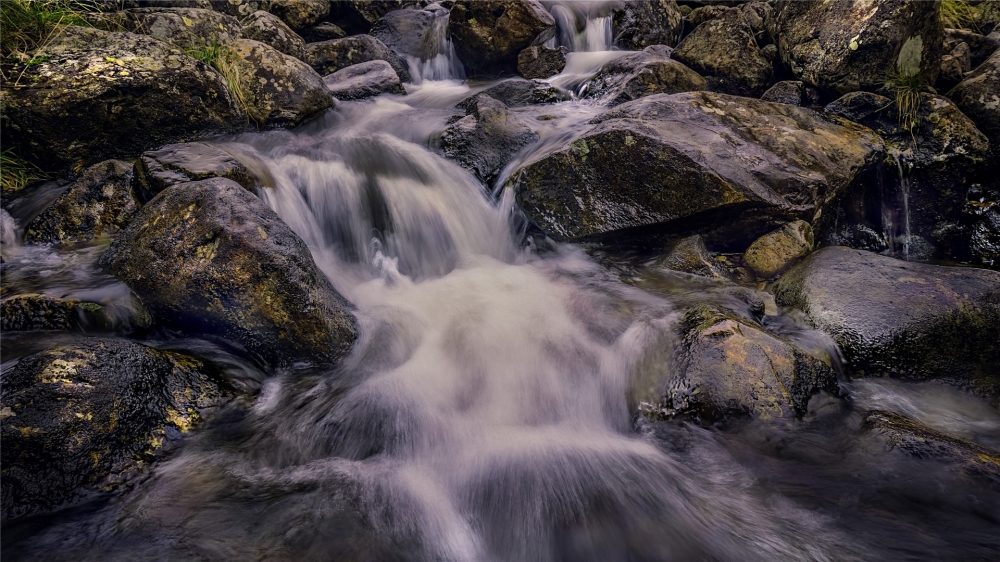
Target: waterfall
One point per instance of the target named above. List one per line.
(582, 26)
(439, 62)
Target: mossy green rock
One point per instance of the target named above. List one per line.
(637, 24)
(42, 312)
(185, 162)
(734, 167)
(99, 204)
(300, 14)
(725, 51)
(689, 255)
(268, 28)
(650, 71)
(83, 415)
(902, 319)
(208, 257)
(101, 95)
(327, 57)
(489, 34)
(280, 89)
(186, 28)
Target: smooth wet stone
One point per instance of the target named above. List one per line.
(208, 257)
(327, 57)
(638, 24)
(185, 162)
(690, 255)
(486, 139)
(267, 28)
(364, 80)
(185, 28)
(776, 251)
(99, 204)
(541, 62)
(518, 92)
(489, 34)
(280, 89)
(86, 415)
(300, 14)
(902, 319)
(650, 71)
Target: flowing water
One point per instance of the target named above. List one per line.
(488, 411)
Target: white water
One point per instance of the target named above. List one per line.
(443, 63)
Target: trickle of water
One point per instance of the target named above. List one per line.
(581, 26)
(441, 63)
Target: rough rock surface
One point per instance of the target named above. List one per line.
(364, 80)
(978, 96)
(185, 28)
(106, 95)
(650, 71)
(281, 90)
(786, 91)
(185, 162)
(489, 34)
(299, 14)
(487, 138)
(902, 319)
(690, 255)
(358, 16)
(980, 46)
(268, 28)
(411, 31)
(99, 204)
(725, 51)
(327, 57)
(776, 251)
(208, 257)
(691, 161)
(517, 92)
(323, 31)
(954, 65)
(842, 47)
(541, 62)
(40, 312)
(638, 24)
(84, 415)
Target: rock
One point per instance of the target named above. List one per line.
(103, 95)
(776, 251)
(99, 204)
(954, 65)
(842, 47)
(208, 257)
(327, 57)
(517, 92)
(358, 16)
(240, 8)
(280, 90)
(650, 71)
(159, 169)
(679, 163)
(980, 46)
(702, 14)
(323, 31)
(486, 139)
(268, 28)
(902, 319)
(638, 24)
(364, 80)
(725, 51)
(412, 32)
(86, 414)
(541, 62)
(300, 14)
(730, 367)
(489, 34)
(691, 256)
(31, 312)
(786, 91)
(185, 28)
(978, 96)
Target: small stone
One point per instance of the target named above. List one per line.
(541, 62)
(776, 251)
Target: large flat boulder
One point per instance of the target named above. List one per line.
(364, 80)
(489, 34)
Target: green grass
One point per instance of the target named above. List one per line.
(959, 14)
(905, 90)
(27, 26)
(224, 59)
(15, 173)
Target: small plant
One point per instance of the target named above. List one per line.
(16, 173)
(959, 14)
(27, 26)
(224, 59)
(905, 90)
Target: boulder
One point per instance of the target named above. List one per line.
(541, 62)
(323, 31)
(413, 32)
(702, 14)
(268, 28)
(517, 92)
(786, 91)
(901, 319)
(696, 161)
(486, 139)
(327, 57)
(776, 251)
(99, 204)
(725, 51)
(690, 255)
(980, 46)
(237, 8)
(280, 90)
(208, 257)
(650, 71)
(84, 415)
(101, 95)
(637, 24)
(978, 96)
(31, 312)
(842, 47)
(489, 34)
(954, 65)
(185, 162)
(185, 28)
(364, 80)
(300, 14)
(358, 16)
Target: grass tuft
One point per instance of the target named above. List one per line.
(959, 14)
(27, 26)
(16, 173)
(226, 60)
(905, 90)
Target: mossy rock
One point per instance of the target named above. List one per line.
(489, 34)
(327, 57)
(638, 24)
(300, 14)
(268, 28)
(280, 90)
(978, 96)
(30, 312)
(776, 251)
(726, 52)
(185, 28)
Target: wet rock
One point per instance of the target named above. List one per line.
(978, 96)
(411, 32)
(842, 47)
(185, 28)
(323, 31)
(691, 256)
(280, 90)
(20, 313)
(300, 14)
(725, 51)
(159, 169)
(268, 28)
(678, 162)
(786, 91)
(517, 92)
(980, 46)
(902, 319)
(85, 415)
(638, 24)
(487, 138)
(104, 95)
(954, 65)
(99, 204)
(541, 61)
(914, 438)
(358, 16)
(730, 367)
(650, 71)
(208, 257)
(364, 80)
(327, 57)
(776, 251)
(489, 34)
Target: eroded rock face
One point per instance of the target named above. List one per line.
(487, 138)
(185, 162)
(99, 204)
(489, 34)
(82, 416)
(683, 161)
(327, 57)
(108, 95)
(185, 28)
(209, 257)
(776, 251)
(268, 28)
(281, 90)
(650, 71)
(299, 14)
(725, 51)
(638, 24)
(541, 62)
(842, 47)
(365, 80)
(978, 96)
(901, 319)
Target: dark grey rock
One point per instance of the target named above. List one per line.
(157, 170)
(541, 62)
(364, 80)
(487, 138)
(650, 71)
(327, 57)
